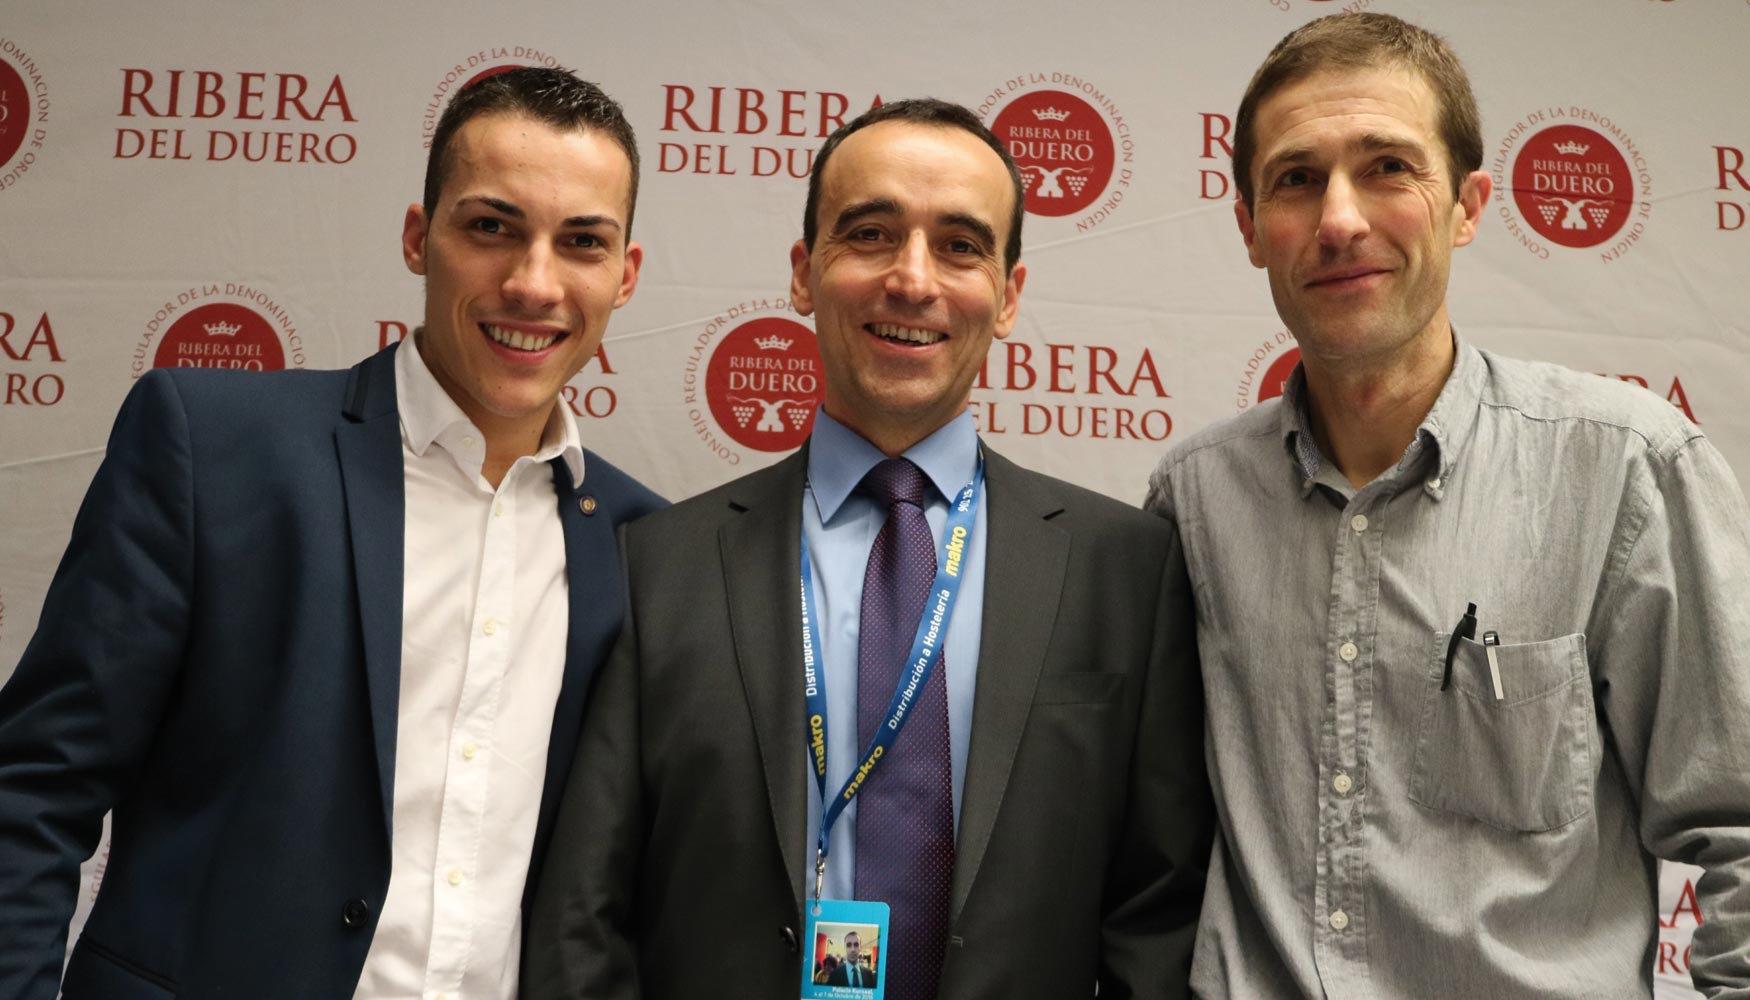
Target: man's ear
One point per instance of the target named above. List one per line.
(413, 232)
(1011, 300)
(629, 274)
(1473, 194)
(801, 297)
(1248, 231)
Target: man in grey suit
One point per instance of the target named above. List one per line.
(852, 971)
(1039, 825)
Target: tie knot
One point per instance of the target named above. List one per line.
(897, 480)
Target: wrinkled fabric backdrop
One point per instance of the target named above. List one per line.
(187, 183)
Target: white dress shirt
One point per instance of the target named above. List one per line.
(483, 628)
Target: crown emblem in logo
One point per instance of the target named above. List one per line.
(1571, 148)
(773, 343)
(1050, 114)
(223, 329)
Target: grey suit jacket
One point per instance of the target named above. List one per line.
(1085, 821)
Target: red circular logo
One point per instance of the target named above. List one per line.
(1573, 186)
(1276, 376)
(763, 383)
(14, 112)
(220, 335)
(1062, 147)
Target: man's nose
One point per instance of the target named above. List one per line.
(1342, 219)
(913, 276)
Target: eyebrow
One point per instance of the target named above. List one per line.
(853, 214)
(979, 227)
(506, 208)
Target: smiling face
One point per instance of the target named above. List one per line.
(1353, 214)
(524, 257)
(906, 281)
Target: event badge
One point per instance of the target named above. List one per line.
(845, 956)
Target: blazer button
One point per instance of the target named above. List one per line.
(789, 935)
(355, 913)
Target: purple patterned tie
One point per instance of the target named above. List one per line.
(905, 811)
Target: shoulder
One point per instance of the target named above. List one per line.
(1547, 394)
(1257, 428)
(1235, 450)
(251, 392)
(1095, 517)
(236, 409)
(781, 482)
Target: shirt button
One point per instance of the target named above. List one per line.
(1342, 783)
(1358, 522)
(468, 441)
(491, 628)
(498, 510)
(1348, 652)
(456, 876)
(1435, 482)
(1339, 920)
(469, 750)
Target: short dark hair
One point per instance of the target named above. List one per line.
(1359, 41)
(918, 111)
(553, 96)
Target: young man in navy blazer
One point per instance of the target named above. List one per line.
(320, 640)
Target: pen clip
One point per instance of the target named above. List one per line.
(1491, 640)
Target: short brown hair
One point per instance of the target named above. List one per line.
(552, 96)
(1358, 41)
(919, 111)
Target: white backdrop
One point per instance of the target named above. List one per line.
(186, 182)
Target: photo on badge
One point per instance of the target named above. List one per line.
(847, 960)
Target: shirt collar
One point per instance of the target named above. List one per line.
(839, 458)
(429, 415)
(1442, 433)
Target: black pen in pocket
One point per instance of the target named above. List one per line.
(1465, 629)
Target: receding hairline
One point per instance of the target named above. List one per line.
(826, 226)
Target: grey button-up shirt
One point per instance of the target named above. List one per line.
(1383, 837)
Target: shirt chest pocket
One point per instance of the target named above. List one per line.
(1522, 762)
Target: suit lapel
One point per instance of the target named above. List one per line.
(1025, 561)
(595, 608)
(368, 444)
(761, 552)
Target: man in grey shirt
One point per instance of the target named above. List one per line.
(1405, 814)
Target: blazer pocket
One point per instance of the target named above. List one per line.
(1079, 688)
(1521, 763)
(96, 973)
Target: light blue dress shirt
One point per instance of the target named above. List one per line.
(841, 524)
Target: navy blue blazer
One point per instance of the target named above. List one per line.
(218, 663)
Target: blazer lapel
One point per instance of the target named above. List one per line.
(368, 444)
(761, 551)
(1025, 561)
(596, 607)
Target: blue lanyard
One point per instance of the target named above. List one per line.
(926, 644)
